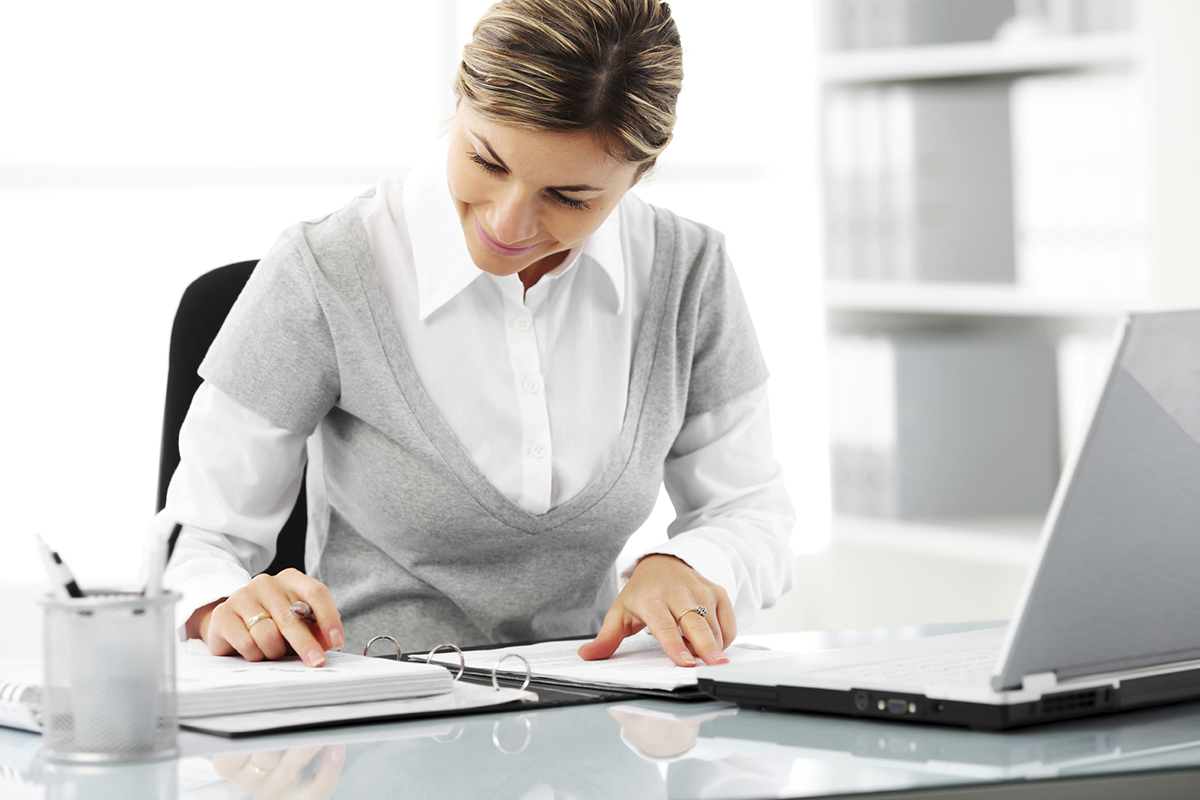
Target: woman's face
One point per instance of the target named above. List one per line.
(525, 197)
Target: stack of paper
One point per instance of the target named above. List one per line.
(211, 685)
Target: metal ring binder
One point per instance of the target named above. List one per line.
(390, 639)
(528, 671)
(462, 660)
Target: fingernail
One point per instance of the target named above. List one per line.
(335, 638)
(686, 658)
(314, 657)
(717, 655)
(336, 754)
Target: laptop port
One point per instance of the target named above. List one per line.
(897, 706)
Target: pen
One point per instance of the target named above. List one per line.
(60, 577)
(158, 555)
(303, 612)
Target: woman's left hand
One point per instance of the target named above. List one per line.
(659, 595)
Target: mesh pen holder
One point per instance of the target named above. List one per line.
(108, 693)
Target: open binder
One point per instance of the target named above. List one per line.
(485, 679)
(473, 691)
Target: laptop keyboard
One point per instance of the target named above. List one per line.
(953, 666)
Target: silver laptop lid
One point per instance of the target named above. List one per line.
(1118, 582)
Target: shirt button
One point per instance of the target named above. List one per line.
(538, 450)
(523, 324)
(532, 385)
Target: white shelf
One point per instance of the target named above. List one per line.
(961, 299)
(977, 59)
(990, 540)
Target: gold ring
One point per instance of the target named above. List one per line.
(257, 618)
(701, 610)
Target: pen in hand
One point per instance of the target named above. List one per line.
(303, 612)
(60, 576)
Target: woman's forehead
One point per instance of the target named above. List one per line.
(562, 158)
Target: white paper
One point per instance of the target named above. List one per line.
(638, 663)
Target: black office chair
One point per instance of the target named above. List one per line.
(202, 311)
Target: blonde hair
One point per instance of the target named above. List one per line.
(612, 68)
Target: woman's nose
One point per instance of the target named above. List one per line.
(511, 219)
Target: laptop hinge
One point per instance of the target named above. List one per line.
(1040, 682)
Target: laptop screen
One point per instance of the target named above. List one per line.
(1118, 582)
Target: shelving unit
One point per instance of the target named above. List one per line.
(979, 59)
(973, 300)
(1162, 55)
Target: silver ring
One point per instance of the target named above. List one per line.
(701, 610)
(388, 638)
(257, 618)
(528, 672)
(462, 660)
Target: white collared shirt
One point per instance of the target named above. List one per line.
(513, 374)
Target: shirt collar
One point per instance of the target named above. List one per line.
(441, 260)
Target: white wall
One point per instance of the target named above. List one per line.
(145, 143)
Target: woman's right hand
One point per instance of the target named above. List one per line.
(222, 624)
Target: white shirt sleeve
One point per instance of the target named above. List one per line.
(237, 482)
(734, 518)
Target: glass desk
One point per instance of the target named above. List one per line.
(652, 749)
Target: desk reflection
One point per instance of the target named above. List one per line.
(303, 773)
(565, 754)
(643, 749)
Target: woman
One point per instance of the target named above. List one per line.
(491, 367)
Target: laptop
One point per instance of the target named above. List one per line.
(1109, 618)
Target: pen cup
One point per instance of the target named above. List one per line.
(108, 692)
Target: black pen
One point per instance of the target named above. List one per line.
(60, 575)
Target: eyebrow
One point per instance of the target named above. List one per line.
(500, 161)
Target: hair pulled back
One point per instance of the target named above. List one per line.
(612, 68)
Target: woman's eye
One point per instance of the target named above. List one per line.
(487, 165)
(568, 202)
(561, 199)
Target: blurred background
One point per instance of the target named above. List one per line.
(937, 209)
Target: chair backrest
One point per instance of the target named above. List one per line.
(202, 311)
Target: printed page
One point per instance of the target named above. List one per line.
(638, 663)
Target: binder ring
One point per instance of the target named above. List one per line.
(390, 639)
(462, 660)
(528, 671)
(528, 735)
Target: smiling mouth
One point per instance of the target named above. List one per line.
(496, 247)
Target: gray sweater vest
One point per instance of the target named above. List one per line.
(420, 546)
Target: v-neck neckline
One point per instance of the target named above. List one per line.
(438, 432)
